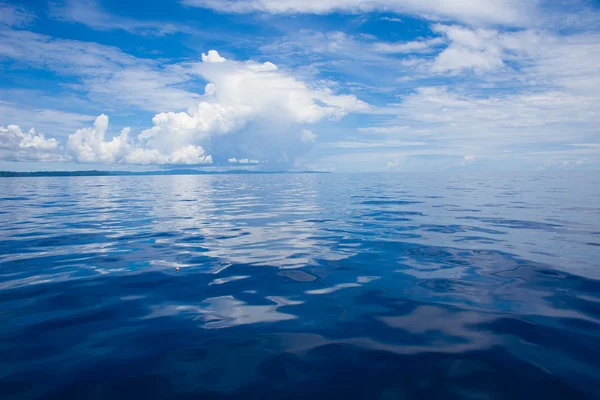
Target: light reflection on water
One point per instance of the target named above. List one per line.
(484, 278)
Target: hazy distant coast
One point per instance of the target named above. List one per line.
(10, 174)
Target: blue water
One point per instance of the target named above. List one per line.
(389, 286)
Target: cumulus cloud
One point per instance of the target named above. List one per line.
(308, 136)
(513, 12)
(243, 161)
(212, 57)
(172, 130)
(268, 66)
(249, 90)
(395, 163)
(16, 145)
(259, 103)
(188, 155)
(88, 145)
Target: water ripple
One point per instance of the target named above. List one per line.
(300, 286)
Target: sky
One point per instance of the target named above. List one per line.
(328, 85)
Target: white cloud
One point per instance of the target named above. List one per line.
(491, 11)
(588, 145)
(479, 50)
(16, 145)
(391, 19)
(395, 163)
(60, 123)
(61, 55)
(387, 130)
(147, 87)
(533, 90)
(187, 155)
(308, 136)
(522, 115)
(89, 13)
(366, 144)
(362, 64)
(468, 160)
(89, 146)
(172, 130)
(498, 127)
(243, 161)
(212, 57)
(106, 73)
(309, 43)
(256, 101)
(423, 46)
(249, 90)
(268, 66)
(541, 57)
(505, 90)
(14, 15)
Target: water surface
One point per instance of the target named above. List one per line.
(374, 286)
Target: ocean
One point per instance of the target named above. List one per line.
(349, 286)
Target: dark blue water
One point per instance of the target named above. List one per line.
(412, 286)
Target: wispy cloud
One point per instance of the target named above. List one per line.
(59, 123)
(106, 73)
(369, 144)
(418, 46)
(510, 12)
(391, 19)
(15, 15)
(90, 13)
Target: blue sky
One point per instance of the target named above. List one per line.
(336, 85)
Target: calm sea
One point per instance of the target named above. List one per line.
(374, 286)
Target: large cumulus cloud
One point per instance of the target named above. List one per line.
(89, 145)
(16, 145)
(248, 111)
(263, 106)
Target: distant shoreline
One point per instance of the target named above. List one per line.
(10, 174)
